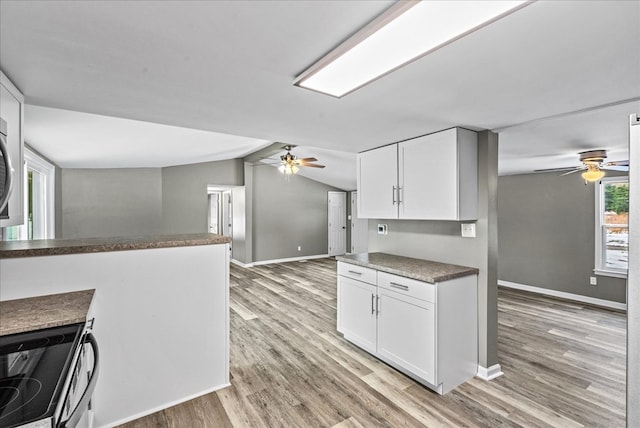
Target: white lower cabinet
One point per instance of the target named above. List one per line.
(357, 318)
(427, 331)
(406, 333)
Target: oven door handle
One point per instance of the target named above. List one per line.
(77, 413)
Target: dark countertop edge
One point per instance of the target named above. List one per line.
(48, 311)
(460, 272)
(52, 247)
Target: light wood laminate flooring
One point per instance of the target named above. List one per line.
(563, 364)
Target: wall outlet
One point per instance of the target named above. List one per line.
(299, 248)
(382, 229)
(593, 280)
(468, 230)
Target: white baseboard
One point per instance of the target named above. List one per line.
(489, 373)
(268, 262)
(164, 406)
(563, 295)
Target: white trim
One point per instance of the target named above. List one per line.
(564, 295)
(268, 262)
(39, 164)
(165, 406)
(611, 273)
(489, 373)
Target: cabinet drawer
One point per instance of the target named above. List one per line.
(357, 272)
(410, 287)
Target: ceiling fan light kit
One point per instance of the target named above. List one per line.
(290, 164)
(593, 165)
(592, 174)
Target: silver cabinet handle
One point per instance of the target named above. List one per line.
(393, 194)
(378, 305)
(400, 286)
(373, 309)
(400, 189)
(354, 272)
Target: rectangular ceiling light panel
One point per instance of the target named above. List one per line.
(405, 32)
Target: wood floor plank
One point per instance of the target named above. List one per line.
(564, 365)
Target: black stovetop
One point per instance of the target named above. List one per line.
(33, 367)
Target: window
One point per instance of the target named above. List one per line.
(612, 227)
(39, 185)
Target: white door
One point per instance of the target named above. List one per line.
(399, 339)
(378, 183)
(359, 228)
(356, 312)
(227, 214)
(214, 212)
(337, 223)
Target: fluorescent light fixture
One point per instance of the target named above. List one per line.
(405, 32)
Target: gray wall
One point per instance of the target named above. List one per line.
(184, 193)
(546, 235)
(111, 202)
(441, 241)
(288, 214)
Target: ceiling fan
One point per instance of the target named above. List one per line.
(593, 165)
(289, 163)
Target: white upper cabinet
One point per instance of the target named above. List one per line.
(378, 183)
(437, 178)
(11, 110)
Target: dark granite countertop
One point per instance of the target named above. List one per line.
(52, 247)
(35, 313)
(422, 270)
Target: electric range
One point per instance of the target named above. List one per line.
(34, 368)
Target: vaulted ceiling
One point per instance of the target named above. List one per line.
(554, 78)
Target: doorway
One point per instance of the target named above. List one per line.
(220, 216)
(337, 214)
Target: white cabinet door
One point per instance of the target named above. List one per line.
(406, 333)
(356, 312)
(427, 171)
(11, 101)
(438, 176)
(378, 182)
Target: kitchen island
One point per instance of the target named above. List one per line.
(161, 309)
(416, 315)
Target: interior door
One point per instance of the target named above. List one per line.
(214, 212)
(227, 214)
(359, 228)
(337, 223)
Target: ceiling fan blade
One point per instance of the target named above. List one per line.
(266, 163)
(307, 160)
(616, 167)
(567, 168)
(312, 165)
(617, 163)
(571, 172)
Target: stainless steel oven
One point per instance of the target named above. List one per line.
(47, 377)
(6, 171)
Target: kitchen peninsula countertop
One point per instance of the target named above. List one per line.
(52, 247)
(35, 313)
(422, 270)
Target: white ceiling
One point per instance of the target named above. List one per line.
(228, 66)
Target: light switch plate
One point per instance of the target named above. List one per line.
(382, 229)
(468, 230)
